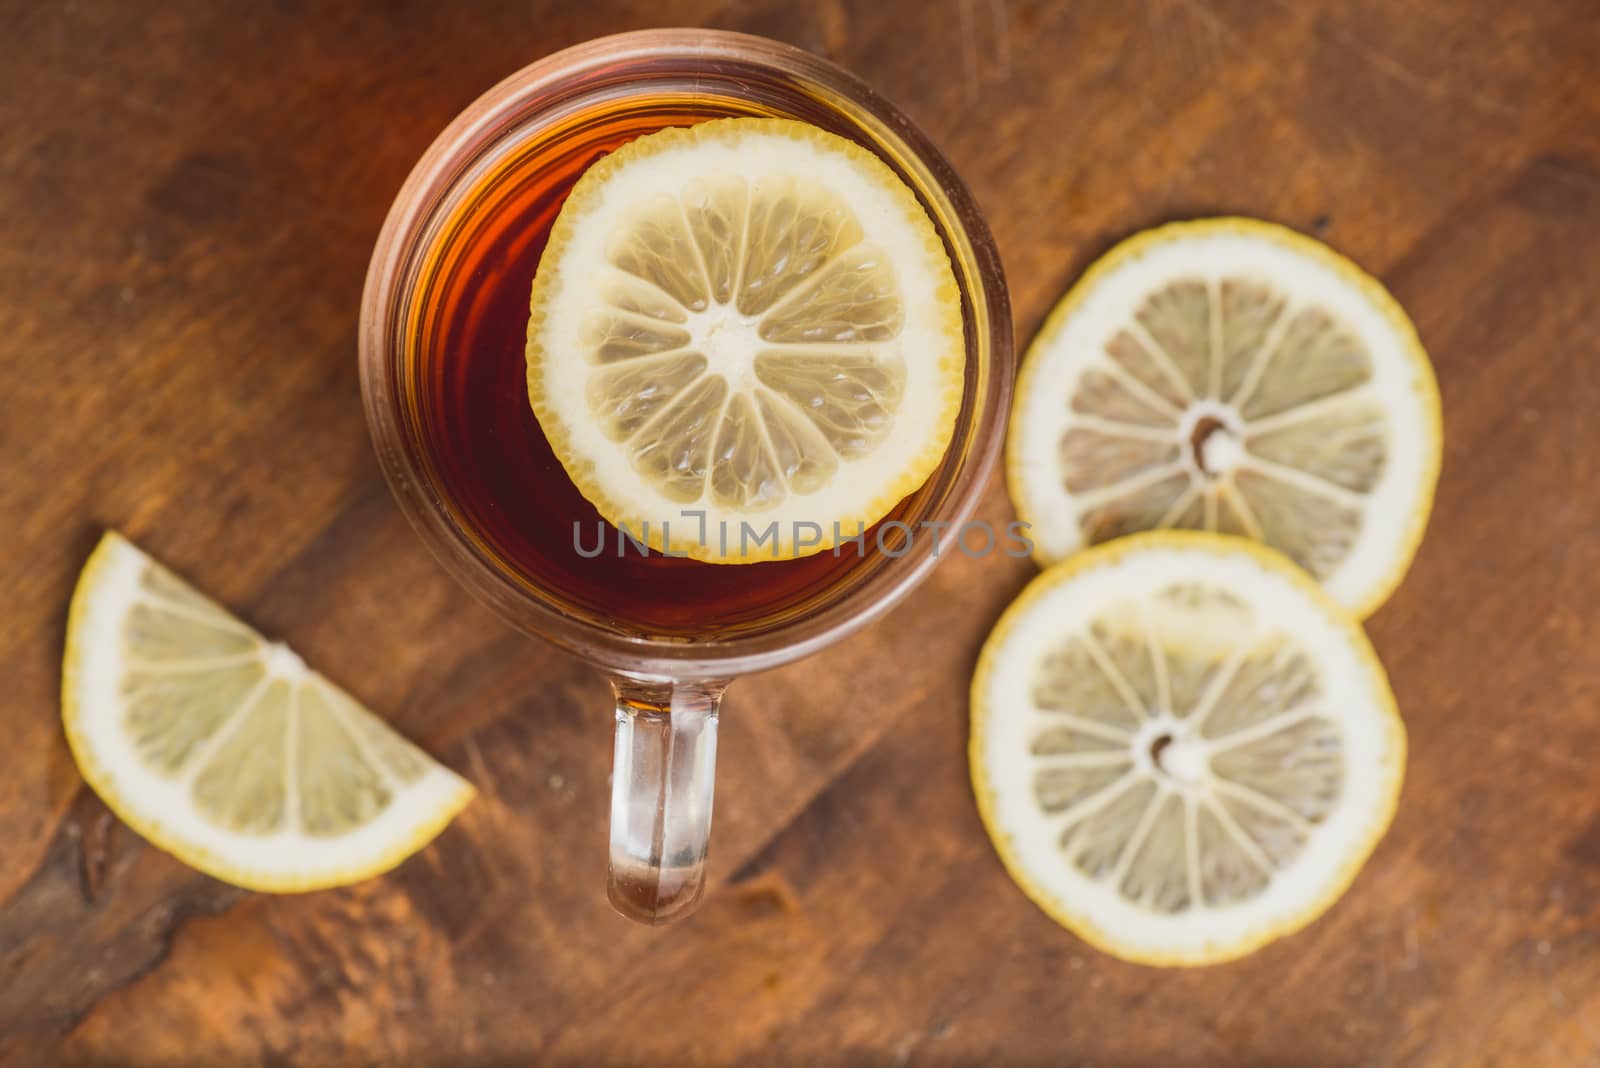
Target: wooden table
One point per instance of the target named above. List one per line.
(189, 194)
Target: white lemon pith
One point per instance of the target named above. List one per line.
(1181, 747)
(224, 749)
(745, 325)
(1233, 376)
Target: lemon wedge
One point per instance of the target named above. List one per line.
(224, 749)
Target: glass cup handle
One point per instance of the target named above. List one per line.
(661, 785)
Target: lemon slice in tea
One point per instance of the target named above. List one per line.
(1233, 376)
(745, 341)
(224, 749)
(1182, 747)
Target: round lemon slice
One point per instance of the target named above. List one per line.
(1182, 747)
(1233, 376)
(224, 749)
(745, 341)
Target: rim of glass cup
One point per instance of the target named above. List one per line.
(497, 115)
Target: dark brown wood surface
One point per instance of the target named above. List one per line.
(188, 196)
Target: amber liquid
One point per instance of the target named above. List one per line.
(490, 460)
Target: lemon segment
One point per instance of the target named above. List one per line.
(1181, 747)
(1233, 376)
(745, 323)
(224, 749)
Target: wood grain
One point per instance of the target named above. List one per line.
(189, 195)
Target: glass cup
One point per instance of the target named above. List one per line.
(668, 686)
